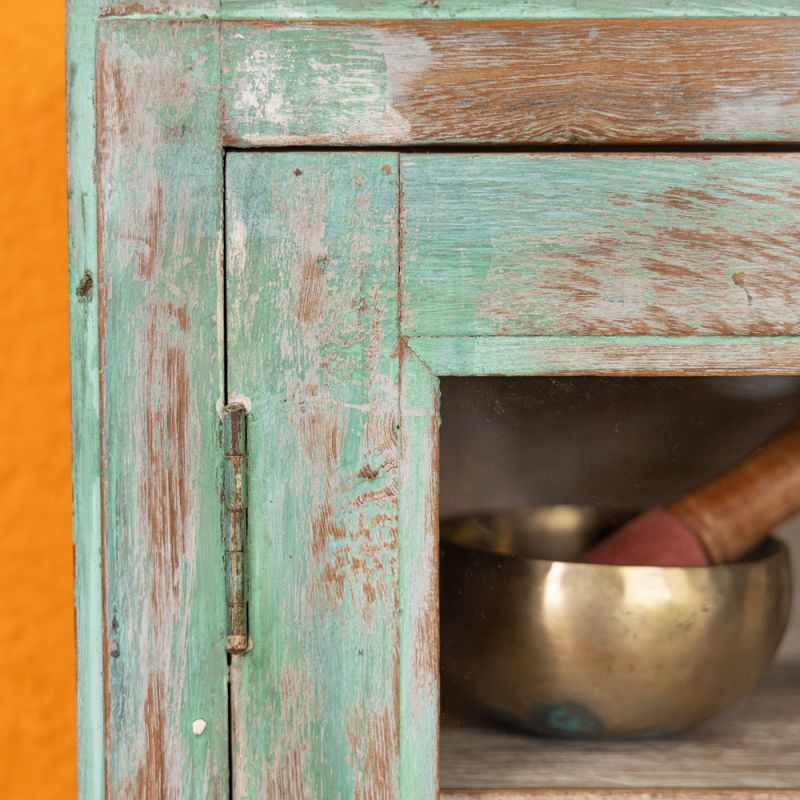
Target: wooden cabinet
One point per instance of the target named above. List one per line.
(317, 210)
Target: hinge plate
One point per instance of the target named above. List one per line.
(234, 439)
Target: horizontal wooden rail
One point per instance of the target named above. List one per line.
(609, 355)
(634, 81)
(672, 245)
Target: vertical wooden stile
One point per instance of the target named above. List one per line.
(312, 343)
(85, 395)
(418, 498)
(160, 220)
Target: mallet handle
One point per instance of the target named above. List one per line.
(734, 511)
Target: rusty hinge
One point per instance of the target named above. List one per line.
(235, 524)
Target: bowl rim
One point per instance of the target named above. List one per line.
(770, 549)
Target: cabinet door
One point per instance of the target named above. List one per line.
(547, 264)
(312, 255)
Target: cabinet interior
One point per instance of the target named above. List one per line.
(627, 443)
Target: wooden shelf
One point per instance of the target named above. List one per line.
(751, 751)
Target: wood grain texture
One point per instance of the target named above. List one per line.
(514, 9)
(609, 355)
(619, 794)
(312, 345)
(751, 751)
(160, 217)
(526, 83)
(419, 578)
(158, 8)
(516, 244)
(85, 395)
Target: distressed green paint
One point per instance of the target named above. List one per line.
(418, 498)
(160, 212)
(601, 244)
(567, 82)
(84, 389)
(300, 85)
(515, 9)
(312, 348)
(163, 9)
(609, 355)
(314, 258)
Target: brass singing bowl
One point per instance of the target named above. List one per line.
(592, 651)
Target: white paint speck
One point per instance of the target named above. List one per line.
(220, 406)
(198, 726)
(258, 89)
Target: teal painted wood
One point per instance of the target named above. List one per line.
(523, 83)
(160, 213)
(418, 499)
(159, 8)
(85, 393)
(515, 9)
(601, 244)
(312, 347)
(609, 355)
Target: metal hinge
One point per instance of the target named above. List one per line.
(234, 439)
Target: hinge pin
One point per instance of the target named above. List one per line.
(235, 523)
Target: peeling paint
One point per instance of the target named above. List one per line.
(313, 237)
(85, 289)
(160, 216)
(622, 245)
(621, 81)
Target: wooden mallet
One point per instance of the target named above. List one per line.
(717, 523)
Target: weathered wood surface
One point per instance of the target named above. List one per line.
(458, 9)
(513, 9)
(159, 8)
(619, 794)
(516, 244)
(419, 578)
(312, 344)
(160, 218)
(85, 394)
(156, 293)
(609, 355)
(534, 82)
(751, 749)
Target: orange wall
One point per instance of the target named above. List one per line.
(37, 674)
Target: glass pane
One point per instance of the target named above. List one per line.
(621, 445)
